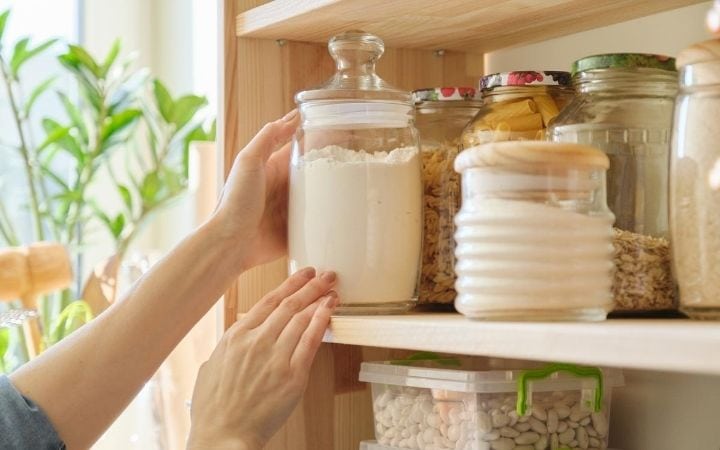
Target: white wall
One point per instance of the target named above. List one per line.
(664, 33)
(655, 411)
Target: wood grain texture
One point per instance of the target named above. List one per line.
(671, 345)
(465, 25)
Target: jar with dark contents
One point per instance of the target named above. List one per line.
(441, 114)
(518, 106)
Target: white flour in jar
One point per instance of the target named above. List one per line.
(358, 214)
(518, 255)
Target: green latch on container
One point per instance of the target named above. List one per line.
(528, 376)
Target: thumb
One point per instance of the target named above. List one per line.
(271, 137)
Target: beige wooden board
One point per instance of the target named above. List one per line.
(672, 345)
(465, 25)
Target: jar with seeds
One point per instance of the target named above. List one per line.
(441, 115)
(624, 106)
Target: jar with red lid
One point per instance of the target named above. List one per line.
(518, 106)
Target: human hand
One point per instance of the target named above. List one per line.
(259, 370)
(252, 210)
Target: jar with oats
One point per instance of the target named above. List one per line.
(695, 181)
(624, 106)
(518, 106)
(441, 114)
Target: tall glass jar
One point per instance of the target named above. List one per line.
(624, 106)
(534, 233)
(441, 114)
(355, 183)
(695, 181)
(518, 106)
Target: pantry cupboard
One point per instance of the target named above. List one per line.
(272, 49)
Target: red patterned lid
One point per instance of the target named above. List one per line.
(525, 78)
(442, 94)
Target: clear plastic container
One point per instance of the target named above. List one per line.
(455, 405)
(518, 106)
(355, 183)
(695, 181)
(624, 107)
(441, 116)
(534, 234)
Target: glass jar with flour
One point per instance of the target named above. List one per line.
(355, 183)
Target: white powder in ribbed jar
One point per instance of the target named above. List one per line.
(359, 214)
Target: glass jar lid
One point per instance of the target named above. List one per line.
(624, 61)
(355, 54)
(529, 156)
(525, 78)
(355, 96)
(444, 94)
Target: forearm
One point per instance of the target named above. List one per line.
(84, 382)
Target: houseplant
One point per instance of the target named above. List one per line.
(123, 125)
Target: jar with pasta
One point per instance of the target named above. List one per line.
(441, 114)
(518, 106)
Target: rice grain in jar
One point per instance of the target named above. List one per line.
(534, 234)
(441, 114)
(695, 181)
(518, 106)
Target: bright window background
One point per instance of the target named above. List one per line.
(177, 41)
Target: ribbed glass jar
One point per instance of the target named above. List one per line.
(534, 232)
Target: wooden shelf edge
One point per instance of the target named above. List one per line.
(672, 345)
(472, 26)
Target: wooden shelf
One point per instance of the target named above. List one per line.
(466, 25)
(675, 345)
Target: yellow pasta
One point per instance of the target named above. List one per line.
(547, 107)
(505, 111)
(530, 122)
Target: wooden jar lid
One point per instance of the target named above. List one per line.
(40, 268)
(527, 156)
(701, 52)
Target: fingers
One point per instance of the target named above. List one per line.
(262, 310)
(312, 337)
(270, 137)
(295, 303)
(292, 333)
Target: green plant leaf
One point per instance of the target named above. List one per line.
(66, 142)
(23, 53)
(75, 315)
(4, 342)
(118, 122)
(128, 91)
(75, 116)
(126, 196)
(84, 59)
(53, 137)
(150, 188)
(35, 94)
(163, 100)
(185, 109)
(110, 58)
(117, 225)
(3, 22)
